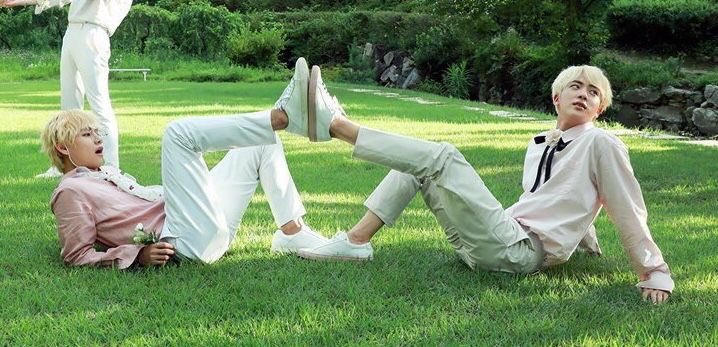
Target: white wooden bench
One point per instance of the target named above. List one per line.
(143, 71)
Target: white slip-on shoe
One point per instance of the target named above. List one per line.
(293, 100)
(339, 248)
(305, 238)
(52, 172)
(322, 108)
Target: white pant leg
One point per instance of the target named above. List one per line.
(195, 220)
(72, 91)
(235, 180)
(492, 239)
(278, 186)
(89, 48)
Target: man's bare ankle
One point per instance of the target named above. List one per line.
(291, 228)
(357, 239)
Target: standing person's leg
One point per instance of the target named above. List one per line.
(92, 54)
(235, 179)
(72, 91)
(71, 87)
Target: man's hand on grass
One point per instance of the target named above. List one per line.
(156, 254)
(655, 296)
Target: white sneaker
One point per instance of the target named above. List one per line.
(322, 108)
(339, 248)
(293, 100)
(305, 238)
(52, 172)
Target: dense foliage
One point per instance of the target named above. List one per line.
(505, 51)
(665, 26)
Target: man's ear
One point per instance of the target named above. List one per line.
(62, 149)
(555, 100)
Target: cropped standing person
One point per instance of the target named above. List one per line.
(84, 62)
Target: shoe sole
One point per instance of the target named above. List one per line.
(312, 256)
(303, 68)
(312, 104)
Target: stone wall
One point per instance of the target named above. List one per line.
(392, 68)
(693, 112)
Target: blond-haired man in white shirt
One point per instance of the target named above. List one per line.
(84, 61)
(570, 173)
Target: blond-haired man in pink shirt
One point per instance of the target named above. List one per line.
(570, 173)
(195, 213)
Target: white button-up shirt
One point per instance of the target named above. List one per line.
(105, 13)
(593, 171)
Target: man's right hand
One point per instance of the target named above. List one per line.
(14, 3)
(156, 254)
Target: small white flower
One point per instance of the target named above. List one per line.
(553, 136)
(140, 227)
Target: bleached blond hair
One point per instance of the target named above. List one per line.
(594, 75)
(62, 128)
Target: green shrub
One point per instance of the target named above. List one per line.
(647, 73)
(325, 37)
(534, 75)
(21, 28)
(663, 26)
(495, 62)
(359, 69)
(256, 48)
(142, 24)
(438, 48)
(457, 82)
(202, 30)
(431, 86)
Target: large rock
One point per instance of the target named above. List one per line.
(682, 97)
(388, 58)
(389, 74)
(412, 80)
(711, 94)
(368, 50)
(706, 120)
(669, 114)
(640, 96)
(627, 115)
(406, 65)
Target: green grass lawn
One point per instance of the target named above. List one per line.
(415, 292)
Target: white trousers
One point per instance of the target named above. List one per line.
(203, 207)
(84, 72)
(476, 224)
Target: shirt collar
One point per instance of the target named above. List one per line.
(576, 131)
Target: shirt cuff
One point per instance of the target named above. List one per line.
(658, 280)
(128, 257)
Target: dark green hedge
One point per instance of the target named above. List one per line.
(664, 26)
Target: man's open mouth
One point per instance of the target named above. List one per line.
(99, 150)
(580, 105)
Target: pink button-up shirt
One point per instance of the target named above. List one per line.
(593, 171)
(92, 212)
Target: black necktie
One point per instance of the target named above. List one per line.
(559, 147)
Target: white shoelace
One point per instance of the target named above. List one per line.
(286, 94)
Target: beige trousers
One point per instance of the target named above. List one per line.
(476, 224)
